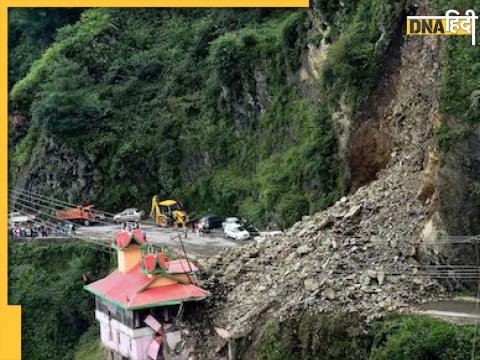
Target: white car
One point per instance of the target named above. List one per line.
(131, 214)
(236, 231)
(231, 220)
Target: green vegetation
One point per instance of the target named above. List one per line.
(338, 337)
(461, 69)
(312, 337)
(460, 97)
(417, 338)
(205, 105)
(46, 279)
(89, 346)
(26, 148)
(361, 38)
(176, 109)
(445, 136)
(30, 32)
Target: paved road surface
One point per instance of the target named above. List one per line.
(195, 245)
(458, 310)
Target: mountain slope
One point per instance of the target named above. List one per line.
(369, 253)
(231, 111)
(183, 104)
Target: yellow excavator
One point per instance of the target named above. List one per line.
(168, 213)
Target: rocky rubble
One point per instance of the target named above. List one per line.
(353, 264)
(360, 255)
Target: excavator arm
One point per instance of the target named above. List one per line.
(160, 218)
(154, 209)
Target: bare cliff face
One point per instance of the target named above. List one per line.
(366, 254)
(54, 169)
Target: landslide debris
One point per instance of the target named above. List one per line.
(360, 255)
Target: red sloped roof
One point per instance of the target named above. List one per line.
(181, 266)
(124, 238)
(130, 290)
(150, 262)
(169, 293)
(154, 262)
(162, 261)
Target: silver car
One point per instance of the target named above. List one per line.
(131, 214)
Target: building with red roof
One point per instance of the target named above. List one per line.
(145, 287)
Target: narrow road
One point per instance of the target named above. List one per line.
(458, 310)
(195, 245)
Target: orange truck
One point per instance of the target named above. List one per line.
(81, 214)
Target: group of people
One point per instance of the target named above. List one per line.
(129, 226)
(29, 230)
(132, 226)
(68, 228)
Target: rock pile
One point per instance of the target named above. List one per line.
(360, 255)
(343, 259)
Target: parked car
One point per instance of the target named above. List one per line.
(130, 214)
(210, 222)
(236, 231)
(252, 230)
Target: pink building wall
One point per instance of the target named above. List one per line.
(131, 343)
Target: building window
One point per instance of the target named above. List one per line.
(137, 320)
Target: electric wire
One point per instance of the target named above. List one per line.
(62, 204)
(22, 199)
(43, 208)
(46, 214)
(73, 237)
(51, 205)
(441, 270)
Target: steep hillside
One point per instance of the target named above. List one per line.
(330, 122)
(231, 111)
(369, 253)
(30, 33)
(183, 103)
(453, 172)
(361, 254)
(46, 279)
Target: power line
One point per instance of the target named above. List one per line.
(38, 201)
(42, 208)
(30, 208)
(21, 199)
(45, 207)
(62, 204)
(88, 240)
